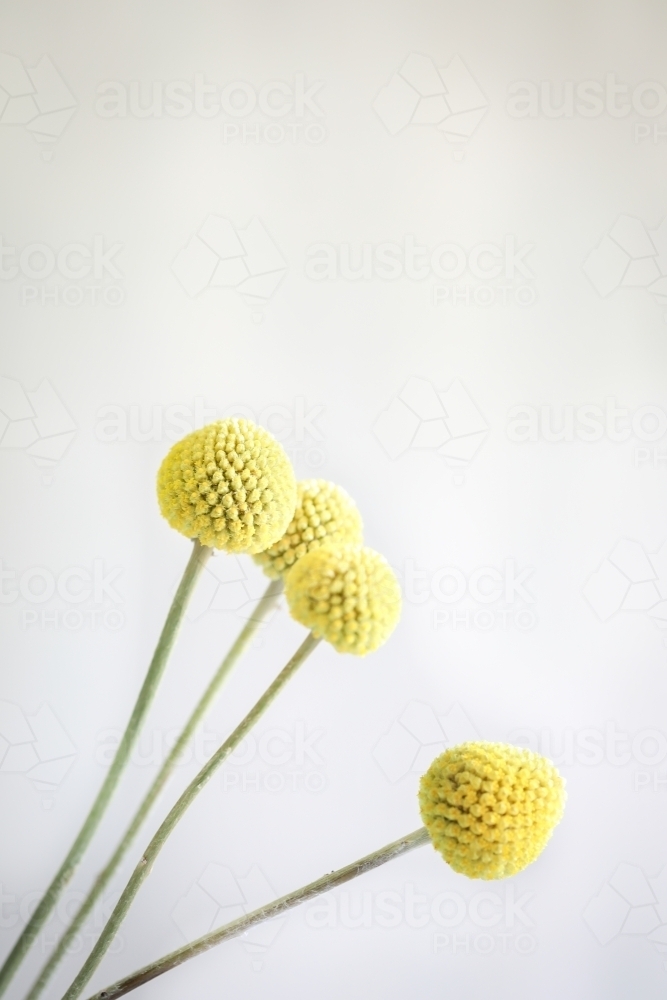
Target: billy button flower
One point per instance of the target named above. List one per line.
(490, 808)
(230, 485)
(324, 513)
(346, 595)
(227, 486)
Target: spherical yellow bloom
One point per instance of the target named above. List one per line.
(490, 808)
(229, 484)
(345, 594)
(324, 512)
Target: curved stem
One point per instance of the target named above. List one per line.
(147, 860)
(196, 563)
(274, 909)
(265, 606)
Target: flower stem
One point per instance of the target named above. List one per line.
(266, 604)
(196, 564)
(147, 860)
(267, 912)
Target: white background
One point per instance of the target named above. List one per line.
(321, 361)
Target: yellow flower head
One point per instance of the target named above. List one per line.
(229, 484)
(324, 512)
(490, 808)
(345, 594)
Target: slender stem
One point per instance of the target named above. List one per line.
(266, 604)
(196, 564)
(147, 860)
(274, 909)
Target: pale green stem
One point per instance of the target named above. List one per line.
(147, 860)
(196, 564)
(267, 912)
(261, 612)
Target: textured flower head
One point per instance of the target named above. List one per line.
(324, 512)
(345, 594)
(490, 808)
(230, 485)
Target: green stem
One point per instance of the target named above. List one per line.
(274, 909)
(265, 606)
(195, 565)
(147, 860)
